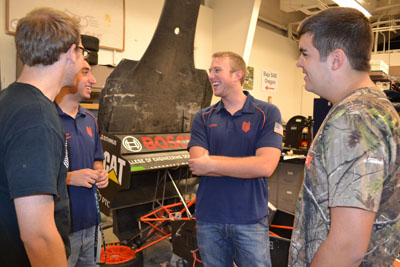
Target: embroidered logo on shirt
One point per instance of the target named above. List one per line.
(246, 126)
(68, 136)
(213, 125)
(308, 160)
(89, 131)
(278, 128)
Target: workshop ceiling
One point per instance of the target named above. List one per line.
(284, 16)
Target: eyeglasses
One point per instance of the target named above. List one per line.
(85, 52)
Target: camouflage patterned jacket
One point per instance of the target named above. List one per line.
(353, 162)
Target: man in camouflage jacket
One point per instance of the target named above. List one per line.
(348, 210)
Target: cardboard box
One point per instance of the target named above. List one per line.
(378, 65)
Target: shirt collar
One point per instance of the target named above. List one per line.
(62, 113)
(248, 106)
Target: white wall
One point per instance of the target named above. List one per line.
(277, 53)
(392, 58)
(235, 21)
(141, 19)
(269, 51)
(7, 50)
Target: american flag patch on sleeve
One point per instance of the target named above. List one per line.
(278, 128)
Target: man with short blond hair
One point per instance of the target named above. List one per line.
(234, 146)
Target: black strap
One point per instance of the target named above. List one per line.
(98, 224)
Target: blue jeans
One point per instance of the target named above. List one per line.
(82, 248)
(245, 244)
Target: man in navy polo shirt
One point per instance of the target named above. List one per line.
(235, 145)
(86, 171)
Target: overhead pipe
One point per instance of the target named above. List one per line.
(376, 42)
(379, 9)
(385, 22)
(386, 29)
(384, 42)
(272, 23)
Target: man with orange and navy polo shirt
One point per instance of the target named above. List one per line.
(235, 145)
(86, 171)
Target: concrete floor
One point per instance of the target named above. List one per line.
(158, 255)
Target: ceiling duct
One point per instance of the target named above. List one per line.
(308, 7)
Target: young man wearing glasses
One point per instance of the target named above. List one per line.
(34, 225)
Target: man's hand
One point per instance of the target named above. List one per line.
(201, 165)
(102, 178)
(83, 178)
(262, 164)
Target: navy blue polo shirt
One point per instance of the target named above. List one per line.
(84, 148)
(227, 199)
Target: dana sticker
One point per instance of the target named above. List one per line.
(278, 128)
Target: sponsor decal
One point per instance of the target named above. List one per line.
(308, 160)
(108, 140)
(246, 126)
(114, 166)
(89, 131)
(167, 142)
(182, 156)
(113, 176)
(132, 144)
(103, 200)
(165, 161)
(137, 168)
(278, 128)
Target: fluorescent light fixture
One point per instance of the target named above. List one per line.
(353, 4)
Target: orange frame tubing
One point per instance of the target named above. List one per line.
(156, 218)
(152, 243)
(171, 217)
(281, 227)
